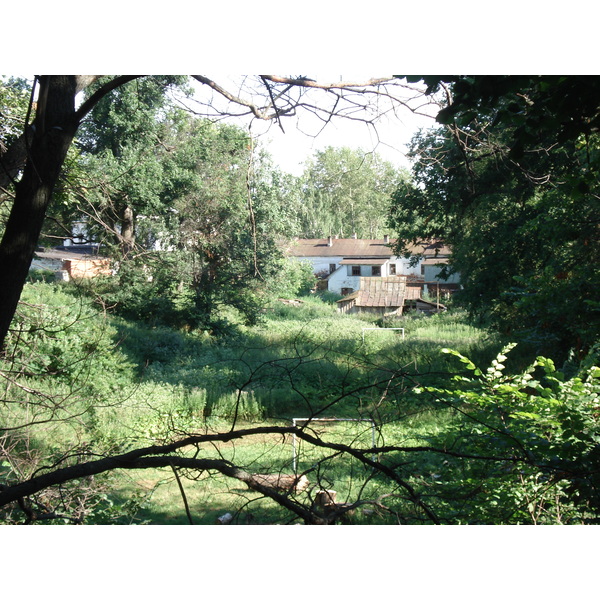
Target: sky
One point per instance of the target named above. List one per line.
(292, 148)
(300, 136)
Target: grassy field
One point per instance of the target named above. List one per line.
(133, 386)
(299, 362)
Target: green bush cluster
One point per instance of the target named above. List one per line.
(537, 434)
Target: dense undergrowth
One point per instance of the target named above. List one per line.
(476, 446)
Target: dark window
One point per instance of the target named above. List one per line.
(356, 271)
(392, 268)
(346, 291)
(331, 268)
(376, 271)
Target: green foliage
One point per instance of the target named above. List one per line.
(347, 191)
(14, 103)
(540, 432)
(155, 288)
(510, 184)
(292, 278)
(56, 335)
(205, 200)
(122, 149)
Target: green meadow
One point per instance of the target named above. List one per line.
(94, 385)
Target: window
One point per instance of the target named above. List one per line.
(356, 271)
(376, 271)
(346, 291)
(331, 268)
(392, 268)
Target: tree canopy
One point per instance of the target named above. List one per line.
(346, 192)
(510, 180)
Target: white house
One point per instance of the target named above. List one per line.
(343, 262)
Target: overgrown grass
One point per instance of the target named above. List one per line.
(131, 385)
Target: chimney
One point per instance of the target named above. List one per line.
(386, 239)
(354, 236)
(330, 241)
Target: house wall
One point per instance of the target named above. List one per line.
(340, 279)
(431, 273)
(402, 267)
(320, 263)
(343, 278)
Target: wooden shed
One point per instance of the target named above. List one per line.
(74, 262)
(377, 295)
(388, 296)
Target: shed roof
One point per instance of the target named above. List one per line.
(378, 291)
(69, 253)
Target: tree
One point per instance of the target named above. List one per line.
(123, 148)
(510, 182)
(219, 219)
(40, 159)
(37, 163)
(347, 192)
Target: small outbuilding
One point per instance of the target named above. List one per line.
(71, 262)
(387, 296)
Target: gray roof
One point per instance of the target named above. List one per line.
(68, 253)
(342, 247)
(352, 248)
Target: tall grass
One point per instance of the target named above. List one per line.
(144, 385)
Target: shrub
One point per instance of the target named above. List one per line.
(544, 431)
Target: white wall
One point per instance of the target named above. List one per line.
(320, 264)
(403, 266)
(341, 277)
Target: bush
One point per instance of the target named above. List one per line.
(542, 429)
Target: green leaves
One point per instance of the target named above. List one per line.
(463, 359)
(547, 427)
(511, 183)
(347, 191)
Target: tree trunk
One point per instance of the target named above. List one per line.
(54, 128)
(127, 231)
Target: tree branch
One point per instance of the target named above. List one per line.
(100, 93)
